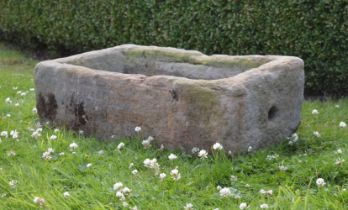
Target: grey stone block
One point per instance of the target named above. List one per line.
(183, 98)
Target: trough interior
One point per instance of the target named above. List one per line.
(181, 63)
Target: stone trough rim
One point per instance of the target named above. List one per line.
(275, 60)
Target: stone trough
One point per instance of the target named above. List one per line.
(182, 98)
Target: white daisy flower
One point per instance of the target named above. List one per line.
(4, 134)
(316, 134)
(150, 163)
(315, 112)
(36, 134)
(125, 190)
(11, 153)
(120, 145)
(8, 100)
(147, 142)
(13, 183)
(46, 155)
(217, 146)
(172, 157)
(50, 150)
(203, 154)
(320, 182)
(293, 138)
(73, 146)
(234, 193)
(250, 149)
(283, 168)
(14, 134)
(266, 192)
(162, 176)
(53, 137)
(88, 165)
(225, 192)
(342, 124)
(39, 201)
(243, 206)
(137, 129)
(117, 186)
(272, 157)
(120, 196)
(135, 172)
(66, 194)
(264, 206)
(175, 174)
(339, 151)
(195, 150)
(188, 206)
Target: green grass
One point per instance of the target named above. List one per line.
(91, 188)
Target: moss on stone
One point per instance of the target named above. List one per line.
(196, 58)
(205, 106)
(240, 63)
(163, 54)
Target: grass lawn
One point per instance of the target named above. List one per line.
(283, 177)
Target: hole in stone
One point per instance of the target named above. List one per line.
(272, 112)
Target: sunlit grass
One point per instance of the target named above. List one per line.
(91, 187)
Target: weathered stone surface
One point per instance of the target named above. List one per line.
(183, 98)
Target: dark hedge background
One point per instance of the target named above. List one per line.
(315, 30)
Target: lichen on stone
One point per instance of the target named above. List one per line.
(204, 102)
(194, 57)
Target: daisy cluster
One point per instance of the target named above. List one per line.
(163, 169)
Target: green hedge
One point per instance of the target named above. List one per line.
(315, 30)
